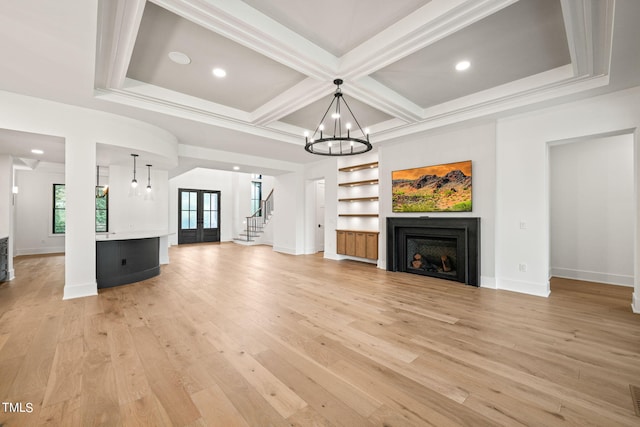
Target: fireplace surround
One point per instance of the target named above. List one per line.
(446, 248)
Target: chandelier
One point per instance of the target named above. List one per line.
(341, 143)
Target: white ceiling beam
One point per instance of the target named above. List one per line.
(201, 115)
(247, 26)
(450, 113)
(379, 96)
(118, 25)
(291, 100)
(428, 24)
(589, 27)
(202, 154)
(577, 16)
(432, 22)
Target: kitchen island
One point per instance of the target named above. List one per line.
(123, 258)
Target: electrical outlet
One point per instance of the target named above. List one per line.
(522, 268)
(523, 225)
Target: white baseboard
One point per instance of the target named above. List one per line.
(332, 256)
(635, 303)
(40, 251)
(79, 291)
(530, 288)
(12, 274)
(488, 282)
(288, 251)
(593, 276)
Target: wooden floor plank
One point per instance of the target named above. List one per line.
(163, 378)
(281, 340)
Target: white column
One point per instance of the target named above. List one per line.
(80, 244)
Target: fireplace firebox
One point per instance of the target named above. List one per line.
(447, 248)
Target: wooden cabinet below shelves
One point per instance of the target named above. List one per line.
(361, 244)
(371, 246)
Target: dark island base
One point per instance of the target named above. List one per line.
(120, 262)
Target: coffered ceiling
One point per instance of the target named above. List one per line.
(397, 60)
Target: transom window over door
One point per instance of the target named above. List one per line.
(198, 216)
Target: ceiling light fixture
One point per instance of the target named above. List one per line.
(338, 144)
(463, 65)
(179, 58)
(236, 168)
(219, 72)
(37, 151)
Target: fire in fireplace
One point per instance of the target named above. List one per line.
(447, 248)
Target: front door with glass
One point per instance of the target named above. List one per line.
(198, 216)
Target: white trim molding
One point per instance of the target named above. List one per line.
(530, 288)
(80, 291)
(593, 276)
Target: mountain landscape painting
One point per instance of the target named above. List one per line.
(439, 188)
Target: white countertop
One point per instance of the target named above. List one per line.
(131, 235)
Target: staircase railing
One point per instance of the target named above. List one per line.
(256, 221)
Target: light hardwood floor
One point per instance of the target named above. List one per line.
(230, 335)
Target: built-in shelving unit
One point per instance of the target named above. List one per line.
(357, 231)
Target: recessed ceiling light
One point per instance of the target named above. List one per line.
(236, 168)
(179, 58)
(36, 151)
(219, 72)
(463, 65)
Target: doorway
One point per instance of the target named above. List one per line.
(592, 209)
(320, 215)
(198, 216)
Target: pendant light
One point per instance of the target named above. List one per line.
(134, 190)
(149, 178)
(149, 194)
(134, 181)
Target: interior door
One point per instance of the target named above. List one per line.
(198, 216)
(320, 215)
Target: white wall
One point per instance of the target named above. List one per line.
(476, 143)
(523, 182)
(290, 214)
(592, 210)
(34, 210)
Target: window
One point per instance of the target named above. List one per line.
(59, 209)
(59, 205)
(256, 197)
(102, 209)
(189, 207)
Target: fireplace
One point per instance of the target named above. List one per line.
(446, 248)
